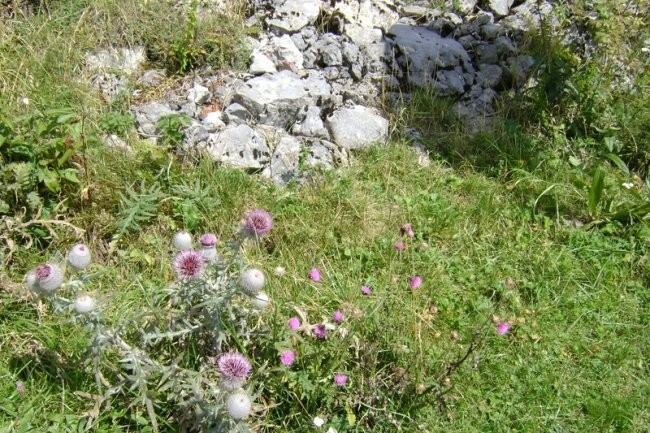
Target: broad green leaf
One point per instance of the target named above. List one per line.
(618, 162)
(50, 179)
(596, 190)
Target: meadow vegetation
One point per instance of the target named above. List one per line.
(541, 223)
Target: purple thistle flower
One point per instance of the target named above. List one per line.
(415, 282)
(337, 316)
(399, 245)
(314, 274)
(234, 365)
(320, 331)
(407, 229)
(340, 379)
(366, 290)
(49, 277)
(258, 222)
(294, 323)
(189, 265)
(20, 388)
(287, 357)
(208, 240)
(503, 328)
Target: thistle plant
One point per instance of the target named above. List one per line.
(210, 303)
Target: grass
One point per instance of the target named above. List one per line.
(496, 218)
(578, 300)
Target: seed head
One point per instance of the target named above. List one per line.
(183, 241)
(189, 265)
(258, 222)
(49, 277)
(238, 405)
(79, 257)
(252, 280)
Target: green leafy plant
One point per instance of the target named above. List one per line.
(171, 129)
(38, 153)
(116, 123)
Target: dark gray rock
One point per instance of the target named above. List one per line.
(420, 51)
(237, 114)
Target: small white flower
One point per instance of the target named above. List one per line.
(318, 421)
(331, 430)
(279, 271)
(84, 304)
(239, 405)
(252, 280)
(24, 100)
(628, 185)
(260, 301)
(183, 241)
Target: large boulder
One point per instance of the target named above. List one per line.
(280, 99)
(239, 146)
(421, 52)
(289, 16)
(357, 126)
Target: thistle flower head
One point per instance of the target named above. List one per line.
(31, 281)
(49, 277)
(234, 365)
(407, 229)
(252, 280)
(189, 265)
(238, 405)
(79, 257)
(279, 271)
(366, 290)
(340, 379)
(182, 241)
(415, 282)
(337, 316)
(208, 240)
(503, 328)
(260, 301)
(293, 323)
(287, 357)
(319, 331)
(258, 222)
(314, 274)
(84, 304)
(399, 245)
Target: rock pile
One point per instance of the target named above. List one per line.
(321, 69)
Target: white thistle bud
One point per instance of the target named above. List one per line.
(79, 257)
(210, 254)
(183, 241)
(252, 281)
(49, 277)
(279, 271)
(84, 304)
(239, 405)
(260, 301)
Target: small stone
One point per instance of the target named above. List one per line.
(198, 94)
(357, 126)
(236, 114)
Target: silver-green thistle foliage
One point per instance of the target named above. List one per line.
(211, 301)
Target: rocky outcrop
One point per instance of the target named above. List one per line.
(320, 69)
